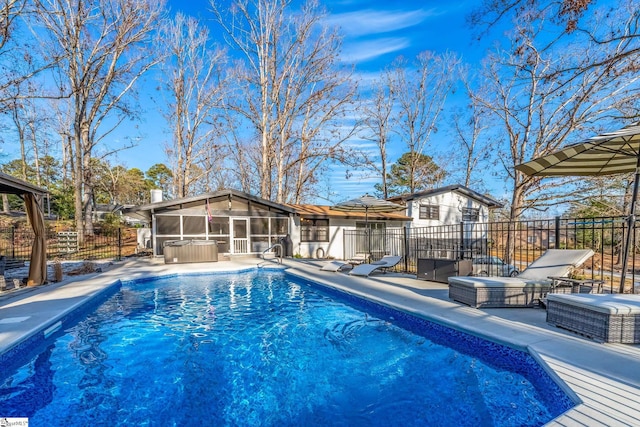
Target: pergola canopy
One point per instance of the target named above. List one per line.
(33, 205)
(13, 185)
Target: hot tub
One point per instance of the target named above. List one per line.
(185, 251)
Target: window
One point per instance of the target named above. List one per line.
(219, 226)
(371, 225)
(280, 226)
(193, 225)
(429, 212)
(314, 230)
(470, 214)
(167, 225)
(259, 226)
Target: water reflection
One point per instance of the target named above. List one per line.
(23, 396)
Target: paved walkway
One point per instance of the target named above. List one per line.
(604, 377)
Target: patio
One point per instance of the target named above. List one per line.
(605, 377)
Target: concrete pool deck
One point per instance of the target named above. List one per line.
(604, 377)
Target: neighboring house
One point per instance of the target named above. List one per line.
(245, 224)
(448, 205)
(100, 210)
(436, 215)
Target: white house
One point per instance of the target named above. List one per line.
(242, 224)
(319, 231)
(448, 205)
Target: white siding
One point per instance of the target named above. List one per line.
(334, 248)
(450, 205)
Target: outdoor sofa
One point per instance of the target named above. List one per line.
(527, 289)
(613, 318)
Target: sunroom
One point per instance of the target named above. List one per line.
(238, 222)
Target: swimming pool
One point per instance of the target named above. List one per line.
(265, 348)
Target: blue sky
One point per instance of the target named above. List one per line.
(375, 33)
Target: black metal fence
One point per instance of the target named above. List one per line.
(16, 243)
(517, 243)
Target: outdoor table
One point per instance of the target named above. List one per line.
(559, 282)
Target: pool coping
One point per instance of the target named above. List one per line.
(604, 378)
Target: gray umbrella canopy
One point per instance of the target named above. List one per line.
(606, 154)
(367, 204)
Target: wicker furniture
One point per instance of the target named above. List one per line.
(496, 292)
(613, 318)
(568, 285)
(524, 290)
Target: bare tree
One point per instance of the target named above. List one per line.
(468, 128)
(10, 61)
(104, 46)
(9, 11)
(540, 102)
(537, 113)
(289, 90)
(196, 86)
(377, 124)
(20, 61)
(420, 90)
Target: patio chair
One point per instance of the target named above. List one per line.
(336, 265)
(384, 263)
(524, 290)
(359, 258)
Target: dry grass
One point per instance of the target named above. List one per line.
(85, 268)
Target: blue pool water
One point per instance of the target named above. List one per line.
(267, 349)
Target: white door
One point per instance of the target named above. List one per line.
(240, 237)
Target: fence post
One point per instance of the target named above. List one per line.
(406, 248)
(13, 241)
(461, 255)
(557, 244)
(119, 243)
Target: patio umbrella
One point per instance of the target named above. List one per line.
(367, 204)
(606, 154)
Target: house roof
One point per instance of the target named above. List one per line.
(145, 210)
(321, 211)
(456, 188)
(13, 185)
(307, 211)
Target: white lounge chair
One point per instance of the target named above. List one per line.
(359, 258)
(524, 290)
(336, 265)
(387, 261)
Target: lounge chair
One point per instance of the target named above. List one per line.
(336, 265)
(358, 258)
(524, 290)
(384, 263)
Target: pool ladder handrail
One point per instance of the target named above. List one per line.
(275, 245)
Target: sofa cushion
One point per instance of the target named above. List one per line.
(623, 304)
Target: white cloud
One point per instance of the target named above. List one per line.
(370, 21)
(367, 50)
